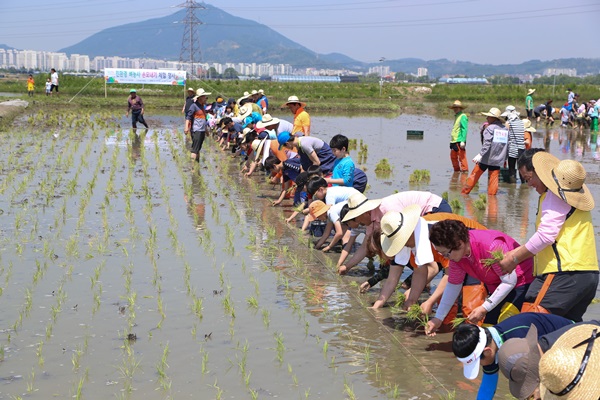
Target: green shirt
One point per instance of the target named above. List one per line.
(459, 131)
(529, 102)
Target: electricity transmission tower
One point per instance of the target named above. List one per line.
(190, 44)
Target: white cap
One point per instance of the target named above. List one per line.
(471, 362)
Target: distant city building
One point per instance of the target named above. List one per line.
(560, 71)
(381, 70)
(422, 72)
(470, 81)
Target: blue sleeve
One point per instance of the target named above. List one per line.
(487, 390)
(347, 172)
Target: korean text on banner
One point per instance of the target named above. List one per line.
(145, 76)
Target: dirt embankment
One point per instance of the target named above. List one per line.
(9, 110)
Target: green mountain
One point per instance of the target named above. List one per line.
(223, 38)
(227, 38)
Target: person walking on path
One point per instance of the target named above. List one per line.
(458, 138)
(195, 122)
(54, 81)
(136, 106)
(301, 117)
(564, 245)
(30, 85)
(516, 140)
(492, 155)
(529, 103)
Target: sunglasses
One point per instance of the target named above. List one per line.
(584, 362)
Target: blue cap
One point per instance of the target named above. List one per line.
(283, 138)
(247, 121)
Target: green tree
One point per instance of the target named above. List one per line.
(230, 73)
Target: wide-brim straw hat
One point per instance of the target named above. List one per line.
(191, 89)
(530, 91)
(457, 104)
(560, 365)
(267, 120)
(318, 208)
(564, 178)
(294, 100)
(494, 113)
(358, 204)
(528, 127)
(201, 92)
(396, 228)
(245, 111)
(518, 359)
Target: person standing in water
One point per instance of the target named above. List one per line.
(136, 106)
(458, 138)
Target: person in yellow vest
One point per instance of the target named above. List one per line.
(564, 245)
(458, 138)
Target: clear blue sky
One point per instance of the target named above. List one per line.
(494, 32)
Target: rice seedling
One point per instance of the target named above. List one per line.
(252, 302)
(349, 390)
(383, 166)
(280, 346)
(204, 363)
(31, 381)
(496, 257)
(456, 204)
(419, 175)
(445, 195)
(367, 353)
(458, 321)
(266, 314)
(325, 348)
(416, 314)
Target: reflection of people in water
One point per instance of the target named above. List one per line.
(196, 210)
(135, 145)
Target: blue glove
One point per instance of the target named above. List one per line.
(487, 390)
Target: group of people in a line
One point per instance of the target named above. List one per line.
(573, 113)
(523, 303)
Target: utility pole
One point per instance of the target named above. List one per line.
(381, 60)
(190, 44)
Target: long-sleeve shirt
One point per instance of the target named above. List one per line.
(459, 130)
(554, 213)
(135, 104)
(495, 144)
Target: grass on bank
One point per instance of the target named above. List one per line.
(359, 98)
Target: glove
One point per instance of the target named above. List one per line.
(477, 159)
(463, 145)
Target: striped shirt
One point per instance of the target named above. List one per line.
(516, 137)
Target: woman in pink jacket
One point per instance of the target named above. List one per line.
(468, 251)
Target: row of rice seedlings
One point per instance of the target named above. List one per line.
(164, 380)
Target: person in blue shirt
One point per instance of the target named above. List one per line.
(343, 167)
(475, 346)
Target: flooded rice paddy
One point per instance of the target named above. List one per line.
(125, 274)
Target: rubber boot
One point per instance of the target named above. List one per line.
(493, 182)
(454, 160)
(472, 179)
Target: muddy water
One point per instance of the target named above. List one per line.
(126, 274)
